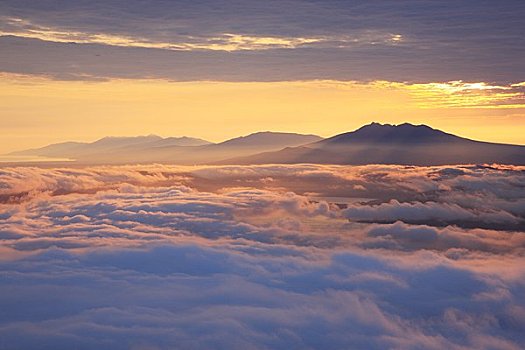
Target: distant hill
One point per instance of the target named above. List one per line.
(392, 144)
(110, 144)
(183, 150)
(269, 139)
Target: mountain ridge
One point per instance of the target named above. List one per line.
(390, 133)
(106, 143)
(406, 144)
(183, 150)
(376, 143)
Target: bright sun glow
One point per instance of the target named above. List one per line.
(122, 107)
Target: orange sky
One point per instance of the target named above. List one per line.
(37, 111)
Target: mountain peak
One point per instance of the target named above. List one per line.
(149, 137)
(405, 133)
(284, 139)
(405, 125)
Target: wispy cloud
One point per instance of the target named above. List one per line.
(460, 94)
(450, 94)
(224, 42)
(464, 94)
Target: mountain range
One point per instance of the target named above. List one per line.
(155, 149)
(371, 144)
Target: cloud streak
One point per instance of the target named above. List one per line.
(222, 42)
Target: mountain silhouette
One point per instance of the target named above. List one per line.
(270, 139)
(371, 144)
(109, 144)
(392, 144)
(183, 150)
(405, 133)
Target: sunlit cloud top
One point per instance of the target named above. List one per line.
(461, 94)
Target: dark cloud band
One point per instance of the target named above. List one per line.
(281, 40)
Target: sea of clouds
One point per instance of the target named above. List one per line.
(262, 257)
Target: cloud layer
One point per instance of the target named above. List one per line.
(152, 257)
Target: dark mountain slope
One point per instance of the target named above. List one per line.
(392, 144)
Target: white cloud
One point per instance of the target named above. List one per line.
(116, 257)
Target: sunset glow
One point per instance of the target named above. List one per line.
(86, 110)
(260, 175)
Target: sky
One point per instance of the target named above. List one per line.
(309, 256)
(82, 70)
